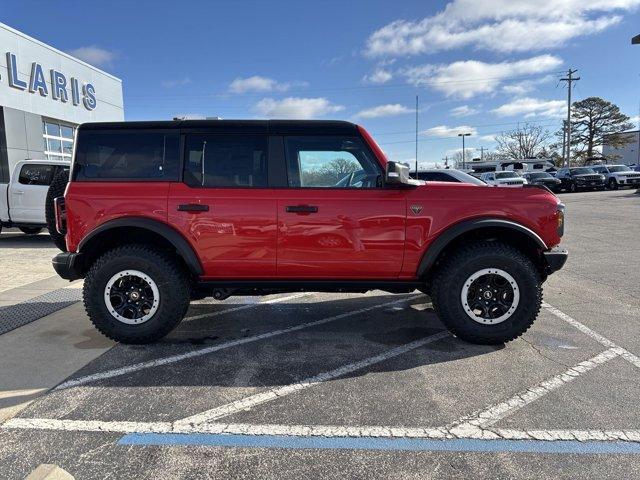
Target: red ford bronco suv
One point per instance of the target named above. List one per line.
(158, 213)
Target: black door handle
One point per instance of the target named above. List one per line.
(193, 207)
(302, 209)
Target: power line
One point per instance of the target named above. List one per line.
(336, 89)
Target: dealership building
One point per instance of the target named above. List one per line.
(629, 154)
(44, 95)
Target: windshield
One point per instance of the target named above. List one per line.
(507, 175)
(538, 175)
(582, 171)
(620, 168)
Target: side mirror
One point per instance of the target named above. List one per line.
(398, 174)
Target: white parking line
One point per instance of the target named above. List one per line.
(624, 353)
(245, 307)
(215, 348)
(276, 393)
(494, 413)
(436, 433)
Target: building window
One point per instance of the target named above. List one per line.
(58, 140)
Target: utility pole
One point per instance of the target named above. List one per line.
(416, 136)
(482, 154)
(446, 161)
(569, 79)
(464, 165)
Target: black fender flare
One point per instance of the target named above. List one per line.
(176, 239)
(439, 244)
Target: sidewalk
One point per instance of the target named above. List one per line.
(37, 356)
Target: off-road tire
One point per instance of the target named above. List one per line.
(451, 275)
(56, 189)
(172, 281)
(30, 230)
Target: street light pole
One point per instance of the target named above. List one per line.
(464, 165)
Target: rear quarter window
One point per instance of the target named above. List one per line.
(135, 155)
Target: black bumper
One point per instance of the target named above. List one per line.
(555, 258)
(68, 265)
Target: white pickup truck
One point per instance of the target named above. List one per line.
(22, 200)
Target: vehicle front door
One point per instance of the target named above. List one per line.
(335, 218)
(28, 193)
(224, 205)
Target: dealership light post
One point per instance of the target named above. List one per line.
(463, 149)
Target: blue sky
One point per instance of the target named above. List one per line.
(478, 66)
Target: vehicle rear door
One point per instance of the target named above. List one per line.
(28, 193)
(335, 218)
(224, 205)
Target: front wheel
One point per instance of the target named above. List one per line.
(613, 185)
(136, 294)
(487, 293)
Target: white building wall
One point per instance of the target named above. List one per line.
(23, 111)
(627, 155)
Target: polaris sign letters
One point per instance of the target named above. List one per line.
(59, 87)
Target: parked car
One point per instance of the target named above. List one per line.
(158, 213)
(542, 178)
(22, 200)
(448, 175)
(617, 176)
(503, 179)
(580, 178)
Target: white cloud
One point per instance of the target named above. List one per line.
(526, 86)
(176, 83)
(498, 25)
(261, 84)
(296, 108)
(532, 107)
(388, 110)
(94, 55)
(488, 138)
(463, 111)
(465, 79)
(379, 76)
(445, 132)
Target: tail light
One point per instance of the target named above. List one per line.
(61, 215)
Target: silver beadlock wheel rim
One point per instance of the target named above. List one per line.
(132, 297)
(490, 296)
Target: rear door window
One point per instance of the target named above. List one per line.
(127, 155)
(218, 160)
(36, 174)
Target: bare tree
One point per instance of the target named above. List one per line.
(526, 141)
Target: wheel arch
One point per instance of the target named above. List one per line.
(138, 230)
(480, 229)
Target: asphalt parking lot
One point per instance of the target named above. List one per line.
(357, 386)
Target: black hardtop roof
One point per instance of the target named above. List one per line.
(276, 127)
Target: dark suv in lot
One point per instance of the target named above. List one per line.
(580, 178)
(543, 178)
(158, 213)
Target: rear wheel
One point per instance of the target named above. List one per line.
(135, 294)
(30, 230)
(56, 189)
(487, 293)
